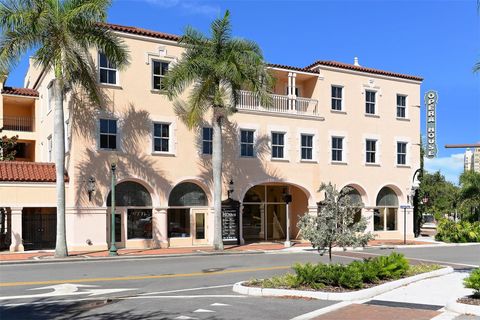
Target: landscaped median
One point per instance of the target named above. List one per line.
(355, 281)
(469, 304)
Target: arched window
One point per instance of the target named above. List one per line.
(387, 198)
(130, 194)
(187, 194)
(355, 199)
(385, 215)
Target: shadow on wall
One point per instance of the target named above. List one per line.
(236, 168)
(134, 129)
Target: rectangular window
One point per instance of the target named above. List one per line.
(159, 70)
(246, 143)
(337, 149)
(401, 153)
(306, 147)
(108, 70)
(108, 134)
(161, 137)
(401, 106)
(49, 148)
(139, 224)
(385, 219)
(370, 102)
(207, 140)
(278, 145)
(337, 98)
(178, 223)
(371, 148)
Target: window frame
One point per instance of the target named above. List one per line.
(207, 141)
(169, 138)
(161, 76)
(370, 104)
(334, 150)
(306, 147)
(371, 152)
(117, 81)
(277, 145)
(117, 148)
(404, 154)
(400, 107)
(250, 144)
(332, 98)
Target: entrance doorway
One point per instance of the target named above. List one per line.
(39, 228)
(187, 216)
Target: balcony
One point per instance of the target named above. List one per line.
(281, 104)
(24, 124)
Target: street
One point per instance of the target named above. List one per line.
(194, 287)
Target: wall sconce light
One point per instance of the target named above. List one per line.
(90, 187)
(230, 188)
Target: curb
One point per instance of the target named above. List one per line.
(342, 296)
(129, 257)
(433, 245)
(463, 308)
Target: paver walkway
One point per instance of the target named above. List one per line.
(422, 300)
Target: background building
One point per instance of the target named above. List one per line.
(330, 121)
(472, 160)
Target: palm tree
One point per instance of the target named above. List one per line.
(61, 32)
(214, 69)
(469, 194)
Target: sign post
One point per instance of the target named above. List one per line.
(231, 221)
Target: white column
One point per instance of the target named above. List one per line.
(287, 243)
(16, 229)
(160, 228)
(294, 95)
(242, 241)
(289, 91)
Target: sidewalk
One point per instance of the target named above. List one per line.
(422, 300)
(260, 247)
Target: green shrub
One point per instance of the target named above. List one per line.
(473, 282)
(308, 274)
(352, 277)
(393, 266)
(458, 232)
(369, 269)
(331, 273)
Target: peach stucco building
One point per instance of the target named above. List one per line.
(330, 121)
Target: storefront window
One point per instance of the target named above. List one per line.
(139, 225)
(187, 194)
(385, 216)
(178, 223)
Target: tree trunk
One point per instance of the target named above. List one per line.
(59, 154)
(330, 253)
(217, 179)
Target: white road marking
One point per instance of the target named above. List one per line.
(184, 318)
(189, 289)
(413, 258)
(220, 305)
(185, 297)
(203, 310)
(65, 289)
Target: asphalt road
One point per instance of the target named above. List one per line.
(197, 287)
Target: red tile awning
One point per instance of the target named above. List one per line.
(20, 91)
(19, 171)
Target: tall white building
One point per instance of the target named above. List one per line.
(472, 160)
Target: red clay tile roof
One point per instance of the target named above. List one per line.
(342, 65)
(143, 32)
(20, 91)
(18, 171)
(281, 66)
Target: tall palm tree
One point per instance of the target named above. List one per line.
(61, 32)
(213, 69)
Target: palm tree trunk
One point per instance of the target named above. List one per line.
(59, 154)
(217, 179)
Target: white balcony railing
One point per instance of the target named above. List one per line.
(280, 104)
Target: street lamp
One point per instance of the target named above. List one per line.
(230, 188)
(113, 160)
(90, 187)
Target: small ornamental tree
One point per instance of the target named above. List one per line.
(7, 148)
(335, 225)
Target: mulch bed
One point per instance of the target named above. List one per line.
(472, 300)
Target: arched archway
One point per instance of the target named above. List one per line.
(133, 213)
(187, 214)
(355, 199)
(385, 214)
(264, 215)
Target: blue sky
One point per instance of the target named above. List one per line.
(438, 40)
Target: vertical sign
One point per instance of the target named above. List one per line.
(431, 98)
(231, 221)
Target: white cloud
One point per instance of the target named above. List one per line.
(451, 167)
(188, 6)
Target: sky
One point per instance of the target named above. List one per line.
(435, 39)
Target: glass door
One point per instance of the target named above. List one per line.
(276, 221)
(199, 217)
